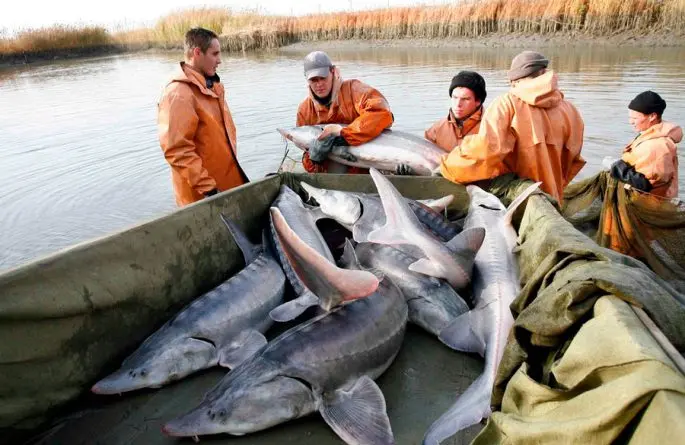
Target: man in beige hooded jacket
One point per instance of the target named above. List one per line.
(531, 131)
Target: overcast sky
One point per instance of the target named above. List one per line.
(17, 15)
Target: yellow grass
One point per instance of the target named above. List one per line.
(55, 38)
(467, 18)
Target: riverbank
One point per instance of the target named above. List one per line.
(60, 54)
(512, 40)
(254, 42)
(470, 23)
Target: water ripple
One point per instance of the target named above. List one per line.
(81, 159)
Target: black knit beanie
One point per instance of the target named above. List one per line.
(648, 102)
(471, 80)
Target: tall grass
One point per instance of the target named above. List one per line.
(464, 19)
(242, 31)
(55, 38)
(476, 18)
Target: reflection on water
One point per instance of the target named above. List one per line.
(79, 149)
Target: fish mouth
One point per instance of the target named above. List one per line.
(112, 388)
(170, 431)
(289, 137)
(101, 389)
(180, 428)
(197, 423)
(114, 384)
(285, 133)
(122, 381)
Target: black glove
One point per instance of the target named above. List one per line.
(625, 172)
(212, 192)
(319, 150)
(404, 169)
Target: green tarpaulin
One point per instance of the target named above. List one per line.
(580, 367)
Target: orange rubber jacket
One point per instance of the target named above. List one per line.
(362, 107)
(447, 133)
(198, 137)
(654, 154)
(531, 131)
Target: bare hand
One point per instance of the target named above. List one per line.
(330, 129)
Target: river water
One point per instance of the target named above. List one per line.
(79, 150)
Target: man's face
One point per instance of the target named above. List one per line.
(464, 102)
(640, 121)
(321, 86)
(208, 61)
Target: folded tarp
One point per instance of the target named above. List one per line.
(579, 366)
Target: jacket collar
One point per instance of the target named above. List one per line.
(188, 75)
(662, 129)
(466, 124)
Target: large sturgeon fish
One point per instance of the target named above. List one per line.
(452, 261)
(485, 328)
(326, 364)
(384, 152)
(224, 326)
(362, 213)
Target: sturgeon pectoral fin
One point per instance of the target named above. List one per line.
(426, 267)
(294, 308)
(463, 248)
(241, 348)
(465, 333)
(349, 260)
(358, 414)
(468, 240)
(331, 284)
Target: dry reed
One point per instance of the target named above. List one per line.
(465, 19)
(55, 38)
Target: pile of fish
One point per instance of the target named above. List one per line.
(405, 263)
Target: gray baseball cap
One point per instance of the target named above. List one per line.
(317, 64)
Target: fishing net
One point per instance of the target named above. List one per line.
(634, 223)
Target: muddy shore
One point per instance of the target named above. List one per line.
(504, 41)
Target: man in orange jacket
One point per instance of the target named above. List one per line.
(531, 131)
(650, 162)
(467, 92)
(334, 101)
(196, 130)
